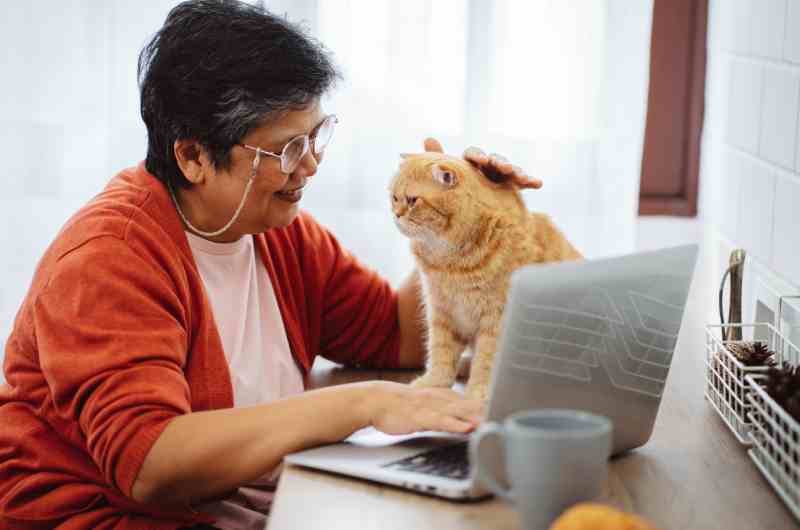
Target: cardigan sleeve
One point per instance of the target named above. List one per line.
(111, 338)
(359, 308)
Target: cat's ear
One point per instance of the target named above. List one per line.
(446, 177)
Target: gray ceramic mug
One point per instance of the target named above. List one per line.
(554, 458)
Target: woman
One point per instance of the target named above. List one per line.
(155, 370)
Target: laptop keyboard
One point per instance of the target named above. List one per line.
(449, 461)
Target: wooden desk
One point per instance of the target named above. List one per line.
(692, 474)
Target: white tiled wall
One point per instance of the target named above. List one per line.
(751, 147)
(787, 199)
(792, 42)
(781, 90)
(767, 34)
(743, 105)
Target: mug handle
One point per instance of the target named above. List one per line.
(482, 472)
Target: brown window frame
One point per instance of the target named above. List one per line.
(675, 106)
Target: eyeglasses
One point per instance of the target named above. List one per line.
(294, 151)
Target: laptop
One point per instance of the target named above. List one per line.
(594, 335)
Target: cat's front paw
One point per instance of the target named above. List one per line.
(434, 380)
(477, 391)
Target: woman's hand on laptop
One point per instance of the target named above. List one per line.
(401, 409)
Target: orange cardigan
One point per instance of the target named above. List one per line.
(116, 337)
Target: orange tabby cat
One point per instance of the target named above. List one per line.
(468, 234)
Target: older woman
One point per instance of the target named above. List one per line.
(155, 370)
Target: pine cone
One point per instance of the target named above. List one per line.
(752, 353)
(783, 385)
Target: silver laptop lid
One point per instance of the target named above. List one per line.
(595, 335)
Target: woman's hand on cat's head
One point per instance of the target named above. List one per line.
(495, 166)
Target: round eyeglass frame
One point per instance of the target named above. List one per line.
(289, 156)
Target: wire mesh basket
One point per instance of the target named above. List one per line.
(776, 443)
(726, 388)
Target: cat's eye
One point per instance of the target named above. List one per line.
(443, 176)
(394, 198)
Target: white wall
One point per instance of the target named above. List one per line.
(750, 173)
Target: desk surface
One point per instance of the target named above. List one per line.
(692, 474)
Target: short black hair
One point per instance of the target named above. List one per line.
(216, 70)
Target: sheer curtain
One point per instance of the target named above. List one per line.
(69, 119)
(557, 86)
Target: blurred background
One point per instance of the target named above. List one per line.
(585, 94)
